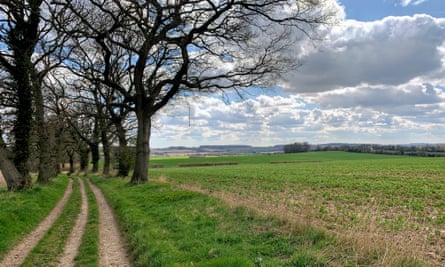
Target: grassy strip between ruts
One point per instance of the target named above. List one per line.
(89, 249)
(22, 211)
(47, 252)
(166, 226)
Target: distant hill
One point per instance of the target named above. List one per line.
(216, 150)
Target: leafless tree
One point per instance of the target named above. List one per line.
(27, 44)
(168, 48)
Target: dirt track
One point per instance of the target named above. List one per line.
(111, 244)
(75, 238)
(17, 255)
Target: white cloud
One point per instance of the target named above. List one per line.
(391, 51)
(373, 82)
(269, 120)
(406, 3)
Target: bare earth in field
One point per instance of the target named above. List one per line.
(112, 250)
(75, 238)
(17, 255)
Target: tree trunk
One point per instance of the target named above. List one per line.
(9, 171)
(95, 156)
(46, 168)
(71, 161)
(124, 154)
(84, 155)
(106, 151)
(140, 173)
(22, 126)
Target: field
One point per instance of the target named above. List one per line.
(383, 210)
(308, 209)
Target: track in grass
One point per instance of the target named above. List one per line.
(17, 255)
(111, 245)
(39, 246)
(74, 240)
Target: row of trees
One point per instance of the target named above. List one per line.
(297, 147)
(77, 75)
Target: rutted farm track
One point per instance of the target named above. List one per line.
(111, 245)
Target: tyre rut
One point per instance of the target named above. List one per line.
(74, 240)
(112, 250)
(18, 254)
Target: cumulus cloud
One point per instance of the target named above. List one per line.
(381, 96)
(391, 51)
(270, 120)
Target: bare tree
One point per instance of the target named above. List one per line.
(170, 48)
(19, 36)
(27, 44)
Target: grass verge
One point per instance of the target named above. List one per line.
(89, 249)
(48, 250)
(167, 226)
(15, 219)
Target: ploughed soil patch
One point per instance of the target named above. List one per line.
(207, 164)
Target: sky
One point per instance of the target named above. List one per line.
(378, 76)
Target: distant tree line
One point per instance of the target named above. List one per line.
(421, 150)
(297, 147)
(409, 150)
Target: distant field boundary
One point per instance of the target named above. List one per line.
(295, 161)
(207, 164)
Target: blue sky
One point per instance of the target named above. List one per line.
(376, 77)
(370, 10)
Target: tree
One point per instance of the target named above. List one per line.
(27, 43)
(297, 147)
(171, 48)
(19, 34)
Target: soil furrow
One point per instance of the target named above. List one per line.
(74, 240)
(17, 255)
(112, 250)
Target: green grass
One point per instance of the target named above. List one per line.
(169, 162)
(393, 196)
(409, 184)
(166, 226)
(48, 250)
(22, 211)
(89, 248)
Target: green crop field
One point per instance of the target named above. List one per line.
(382, 209)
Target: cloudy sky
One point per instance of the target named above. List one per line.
(377, 77)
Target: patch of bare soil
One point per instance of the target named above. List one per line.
(112, 250)
(74, 240)
(17, 255)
